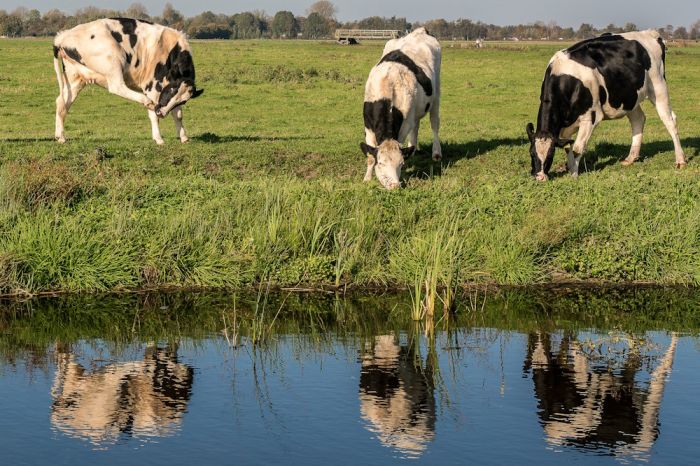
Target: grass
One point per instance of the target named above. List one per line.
(269, 189)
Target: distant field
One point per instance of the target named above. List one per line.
(270, 187)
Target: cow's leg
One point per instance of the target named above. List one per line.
(661, 101)
(370, 167)
(65, 99)
(435, 125)
(179, 128)
(116, 85)
(413, 136)
(574, 155)
(637, 120)
(155, 128)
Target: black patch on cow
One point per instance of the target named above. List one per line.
(159, 87)
(622, 62)
(149, 86)
(55, 51)
(663, 53)
(427, 108)
(73, 54)
(593, 116)
(383, 119)
(92, 36)
(602, 95)
(563, 100)
(117, 36)
(128, 58)
(145, 21)
(128, 28)
(138, 62)
(398, 56)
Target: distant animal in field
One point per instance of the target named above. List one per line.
(138, 60)
(401, 89)
(603, 78)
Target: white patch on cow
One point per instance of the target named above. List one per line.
(542, 147)
(388, 164)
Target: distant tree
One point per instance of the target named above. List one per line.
(138, 11)
(209, 25)
(246, 26)
(11, 25)
(315, 27)
(612, 28)
(324, 8)
(53, 22)
(32, 23)
(585, 31)
(629, 27)
(284, 24)
(695, 30)
(680, 33)
(668, 31)
(171, 17)
(439, 28)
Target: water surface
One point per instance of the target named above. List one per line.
(510, 378)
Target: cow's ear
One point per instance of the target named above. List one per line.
(530, 129)
(408, 151)
(564, 142)
(367, 149)
(197, 93)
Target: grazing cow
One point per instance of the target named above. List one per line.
(401, 89)
(138, 60)
(604, 78)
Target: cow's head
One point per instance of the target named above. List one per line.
(175, 94)
(389, 158)
(542, 146)
(175, 81)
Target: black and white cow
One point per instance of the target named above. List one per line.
(401, 89)
(604, 78)
(138, 60)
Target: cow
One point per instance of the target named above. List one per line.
(603, 78)
(401, 89)
(135, 59)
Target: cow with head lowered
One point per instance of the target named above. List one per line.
(138, 60)
(401, 89)
(603, 78)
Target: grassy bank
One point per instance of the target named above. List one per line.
(269, 189)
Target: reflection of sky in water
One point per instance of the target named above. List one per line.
(372, 401)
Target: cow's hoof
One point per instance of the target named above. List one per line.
(680, 165)
(184, 140)
(437, 157)
(626, 163)
(61, 140)
(160, 142)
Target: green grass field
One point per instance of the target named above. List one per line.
(270, 187)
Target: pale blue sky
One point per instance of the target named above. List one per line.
(644, 13)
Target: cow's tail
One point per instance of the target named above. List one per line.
(60, 71)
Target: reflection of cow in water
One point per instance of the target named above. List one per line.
(139, 398)
(396, 395)
(596, 406)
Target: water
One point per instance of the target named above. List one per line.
(512, 378)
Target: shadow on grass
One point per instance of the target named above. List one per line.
(212, 138)
(608, 154)
(422, 165)
(10, 140)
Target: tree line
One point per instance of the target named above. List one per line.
(318, 23)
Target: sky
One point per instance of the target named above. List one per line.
(644, 13)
